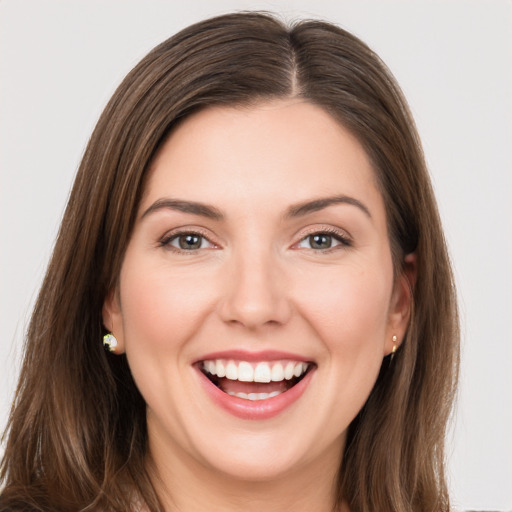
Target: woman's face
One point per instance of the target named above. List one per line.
(256, 297)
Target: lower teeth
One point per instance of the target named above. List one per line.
(254, 396)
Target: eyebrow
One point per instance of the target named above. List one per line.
(204, 210)
(210, 212)
(319, 204)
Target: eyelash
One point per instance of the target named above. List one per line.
(166, 241)
(343, 239)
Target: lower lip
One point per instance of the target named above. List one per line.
(257, 409)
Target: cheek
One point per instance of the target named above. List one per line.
(349, 308)
(162, 308)
(348, 313)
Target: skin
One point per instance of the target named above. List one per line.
(256, 283)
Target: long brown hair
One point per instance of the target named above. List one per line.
(76, 437)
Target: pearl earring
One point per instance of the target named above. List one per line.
(110, 342)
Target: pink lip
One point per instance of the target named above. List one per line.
(243, 355)
(254, 410)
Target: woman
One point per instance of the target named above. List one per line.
(253, 237)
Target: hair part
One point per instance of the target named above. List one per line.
(76, 437)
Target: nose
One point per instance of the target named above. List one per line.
(255, 292)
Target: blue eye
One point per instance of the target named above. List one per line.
(322, 241)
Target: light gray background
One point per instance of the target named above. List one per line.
(60, 62)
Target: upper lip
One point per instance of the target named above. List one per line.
(252, 356)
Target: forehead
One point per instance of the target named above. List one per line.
(275, 152)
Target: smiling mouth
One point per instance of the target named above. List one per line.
(254, 381)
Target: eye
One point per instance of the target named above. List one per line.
(323, 241)
(187, 242)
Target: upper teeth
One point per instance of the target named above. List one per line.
(255, 372)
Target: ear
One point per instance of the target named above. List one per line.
(400, 308)
(113, 319)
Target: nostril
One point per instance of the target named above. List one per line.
(253, 313)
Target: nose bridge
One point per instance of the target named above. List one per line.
(256, 293)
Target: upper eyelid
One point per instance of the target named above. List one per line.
(176, 232)
(183, 230)
(341, 233)
(331, 230)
